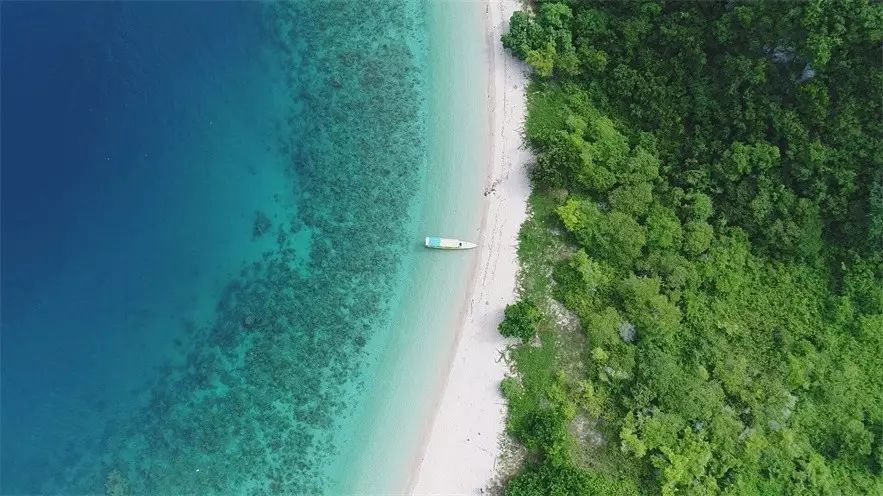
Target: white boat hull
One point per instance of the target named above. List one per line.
(437, 243)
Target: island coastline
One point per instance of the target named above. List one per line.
(460, 448)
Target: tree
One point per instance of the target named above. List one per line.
(663, 228)
(632, 199)
(520, 320)
(717, 170)
(697, 237)
(619, 237)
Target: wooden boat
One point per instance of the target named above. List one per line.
(448, 244)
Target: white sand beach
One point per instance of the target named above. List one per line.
(461, 449)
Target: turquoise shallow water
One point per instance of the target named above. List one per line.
(211, 227)
(409, 374)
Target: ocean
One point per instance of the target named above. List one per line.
(211, 216)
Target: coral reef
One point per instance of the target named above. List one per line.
(257, 405)
(115, 485)
(261, 225)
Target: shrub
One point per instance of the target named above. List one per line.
(520, 320)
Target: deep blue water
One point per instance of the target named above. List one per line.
(204, 211)
(136, 149)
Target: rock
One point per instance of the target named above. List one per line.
(261, 225)
(248, 322)
(780, 54)
(627, 332)
(807, 74)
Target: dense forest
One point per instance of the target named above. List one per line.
(702, 271)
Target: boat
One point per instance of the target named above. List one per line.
(448, 244)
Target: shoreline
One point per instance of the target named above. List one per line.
(465, 430)
(388, 429)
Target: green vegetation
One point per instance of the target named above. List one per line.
(520, 320)
(708, 199)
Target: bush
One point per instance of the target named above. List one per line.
(520, 320)
(511, 388)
